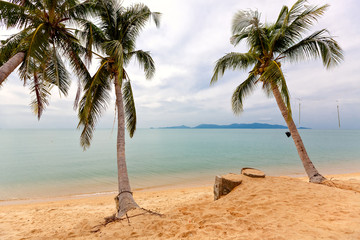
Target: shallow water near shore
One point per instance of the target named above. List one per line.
(47, 163)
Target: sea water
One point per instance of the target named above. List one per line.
(47, 163)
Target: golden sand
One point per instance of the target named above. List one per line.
(260, 208)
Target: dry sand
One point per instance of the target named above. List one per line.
(260, 208)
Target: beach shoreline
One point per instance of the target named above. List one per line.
(176, 186)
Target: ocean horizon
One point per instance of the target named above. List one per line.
(39, 163)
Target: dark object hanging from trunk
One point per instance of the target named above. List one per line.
(288, 134)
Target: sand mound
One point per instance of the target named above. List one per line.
(260, 208)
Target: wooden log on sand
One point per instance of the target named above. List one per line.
(225, 184)
(252, 172)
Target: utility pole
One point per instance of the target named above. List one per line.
(338, 112)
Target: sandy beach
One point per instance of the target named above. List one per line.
(267, 208)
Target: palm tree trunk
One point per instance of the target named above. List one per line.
(124, 201)
(10, 65)
(311, 171)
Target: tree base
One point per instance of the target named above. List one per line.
(124, 203)
(317, 178)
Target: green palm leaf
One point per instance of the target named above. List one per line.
(93, 103)
(315, 46)
(243, 90)
(233, 61)
(56, 73)
(12, 15)
(145, 62)
(12, 45)
(129, 107)
(41, 91)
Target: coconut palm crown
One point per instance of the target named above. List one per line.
(44, 39)
(270, 45)
(114, 38)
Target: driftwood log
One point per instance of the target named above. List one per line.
(225, 184)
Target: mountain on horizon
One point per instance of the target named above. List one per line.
(175, 127)
(233, 126)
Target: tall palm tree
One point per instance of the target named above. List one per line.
(271, 44)
(115, 37)
(45, 35)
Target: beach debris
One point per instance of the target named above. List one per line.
(130, 214)
(252, 172)
(225, 184)
(352, 185)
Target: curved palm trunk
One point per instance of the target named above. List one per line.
(124, 201)
(311, 171)
(10, 65)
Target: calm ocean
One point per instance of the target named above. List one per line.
(48, 163)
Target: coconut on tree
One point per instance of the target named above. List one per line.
(270, 45)
(114, 37)
(44, 39)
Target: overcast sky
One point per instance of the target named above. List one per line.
(192, 36)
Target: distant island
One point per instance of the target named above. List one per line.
(233, 126)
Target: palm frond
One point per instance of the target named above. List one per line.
(282, 15)
(237, 38)
(92, 36)
(243, 90)
(93, 103)
(156, 17)
(12, 45)
(41, 91)
(273, 76)
(293, 12)
(300, 13)
(115, 49)
(234, 61)
(242, 20)
(56, 73)
(129, 107)
(12, 14)
(305, 19)
(37, 49)
(76, 11)
(106, 11)
(314, 46)
(133, 20)
(28, 4)
(145, 61)
(247, 25)
(77, 96)
(73, 51)
(298, 20)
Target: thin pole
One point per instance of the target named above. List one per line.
(338, 114)
(299, 112)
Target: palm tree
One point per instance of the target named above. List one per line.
(115, 36)
(45, 35)
(271, 44)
